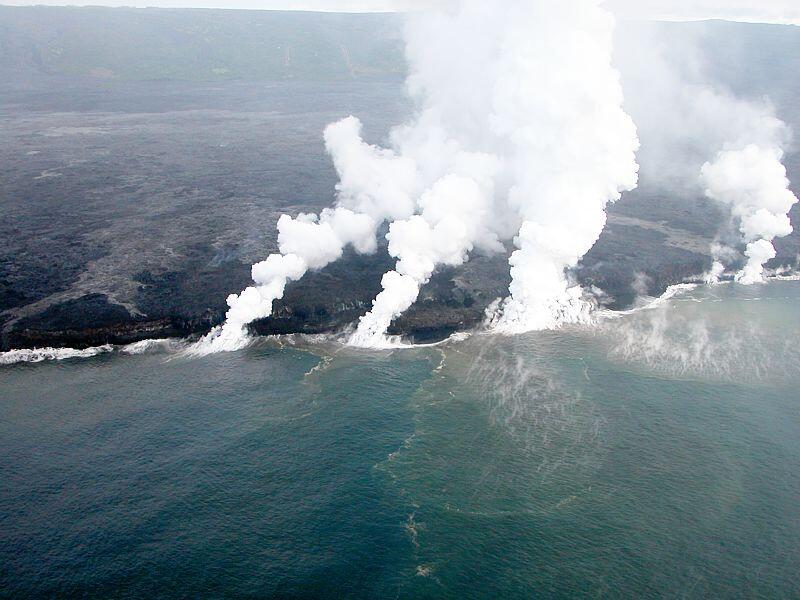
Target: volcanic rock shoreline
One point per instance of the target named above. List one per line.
(325, 302)
(637, 254)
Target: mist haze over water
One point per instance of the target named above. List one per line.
(654, 454)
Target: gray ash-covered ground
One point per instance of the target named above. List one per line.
(131, 209)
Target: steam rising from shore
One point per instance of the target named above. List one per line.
(700, 138)
(752, 182)
(525, 134)
(519, 129)
(375, 185)
(519, 134)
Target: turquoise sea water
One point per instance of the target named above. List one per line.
(655, 455)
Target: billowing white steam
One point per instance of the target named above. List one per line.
(453, 221)
(520, 127)
(375, 185)
(752, 182)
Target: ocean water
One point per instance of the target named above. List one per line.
(656, 454)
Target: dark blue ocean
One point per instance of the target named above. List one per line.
(656, 454)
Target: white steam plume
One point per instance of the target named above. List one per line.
(752, 182)
(519, 129)
(520, 122)
(575, 153)
(375, 185)
(454, 213)
(691, 125)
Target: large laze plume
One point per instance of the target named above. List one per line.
(518, 133)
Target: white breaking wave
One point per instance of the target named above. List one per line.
(648, 303)
(42, 354)
(394, 342)
(38, 355)
(671, 292)
(153, 346)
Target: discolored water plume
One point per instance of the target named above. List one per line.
(500, 412)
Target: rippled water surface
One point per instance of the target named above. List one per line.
(657, 454)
